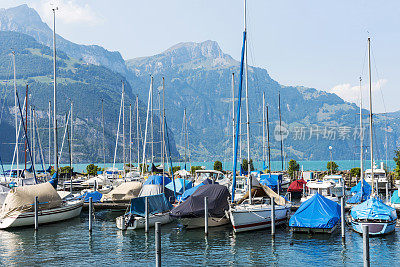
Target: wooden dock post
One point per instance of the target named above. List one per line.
(158, 243)
(90, 213)
(272, 217)
(366, 258)
(206, 215)
(146, 214)
(342, 216)
(36, 213)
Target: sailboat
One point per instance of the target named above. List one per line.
(380, 218)
(251, 215)
(17, 209)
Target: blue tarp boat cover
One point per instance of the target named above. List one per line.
(157, 179)
(395, 199)
(373, 209)
(194, 206)
(179, 185)
(190, 191)
(271, 180)
(366, 188)
(317, 212)
(96, 196)
(157, 204)
(359, 197)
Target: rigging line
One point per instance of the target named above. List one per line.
(5, 87)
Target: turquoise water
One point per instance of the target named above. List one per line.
(227, 165)
(69, 243)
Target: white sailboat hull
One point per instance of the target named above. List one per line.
(192, 223)
(68, 211)
(252, 217)
(139, 222)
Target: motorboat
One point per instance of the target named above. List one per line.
(135, 218)
(213, 175)
(316, 215)
(321, 187)
(339, 185)
(380, 178)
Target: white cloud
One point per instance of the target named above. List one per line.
(351, 93)
(69, 12)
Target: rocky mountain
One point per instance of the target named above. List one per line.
(84, 84)
(313, 120)
(26, 20)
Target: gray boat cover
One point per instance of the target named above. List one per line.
(123, 192)
(193, 206)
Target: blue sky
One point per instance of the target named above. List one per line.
(319, 44)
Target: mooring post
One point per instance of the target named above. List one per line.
(343, 187)
(146, 214)
(272, 217)
(158, 243)
(36, 213)
(206, 215)
(95, 185)
(342, 215)
(90, 213)
(366, 258)
(387, 193)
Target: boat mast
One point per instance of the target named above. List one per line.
(102, 122)
(71, 132)
(247, 107)
(268, 146)
(370, 115)
(163, 131)
(49, 134)
(26, 119)
(185, 132)
(123, 127)
(130, 138)
(233, 115)
(54, 94)
(151, 122)
(16, 111)
(145, 132)
(263, 129)
(280, 127)
(361, 139)
(137, 131)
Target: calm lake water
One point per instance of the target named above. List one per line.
(227, 165)
(69, 243)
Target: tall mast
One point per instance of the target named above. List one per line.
(130, 138)
(71, 132)
(137, 132)
(247, 107)
(370, 115)
(151, 121)
(26, 119)
(32, 110)
(233, 115)
(185, 132)
(49, 133)
(280, 126)
(361, 138)
(123, 127)
(54, 95)
(102, 122)
(263, 129)
(16, 111)
(268, 146)
(163, 130)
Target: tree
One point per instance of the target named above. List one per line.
(293, 167)
(335, 167)
(397, 161)
(245, 165)
(218, 165)
(194, 169)
(92, 169)
(175, 168)
(355, 172)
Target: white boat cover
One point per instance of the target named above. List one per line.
(22, 198)
(151, 189)
(3, 193)
(123, 192)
